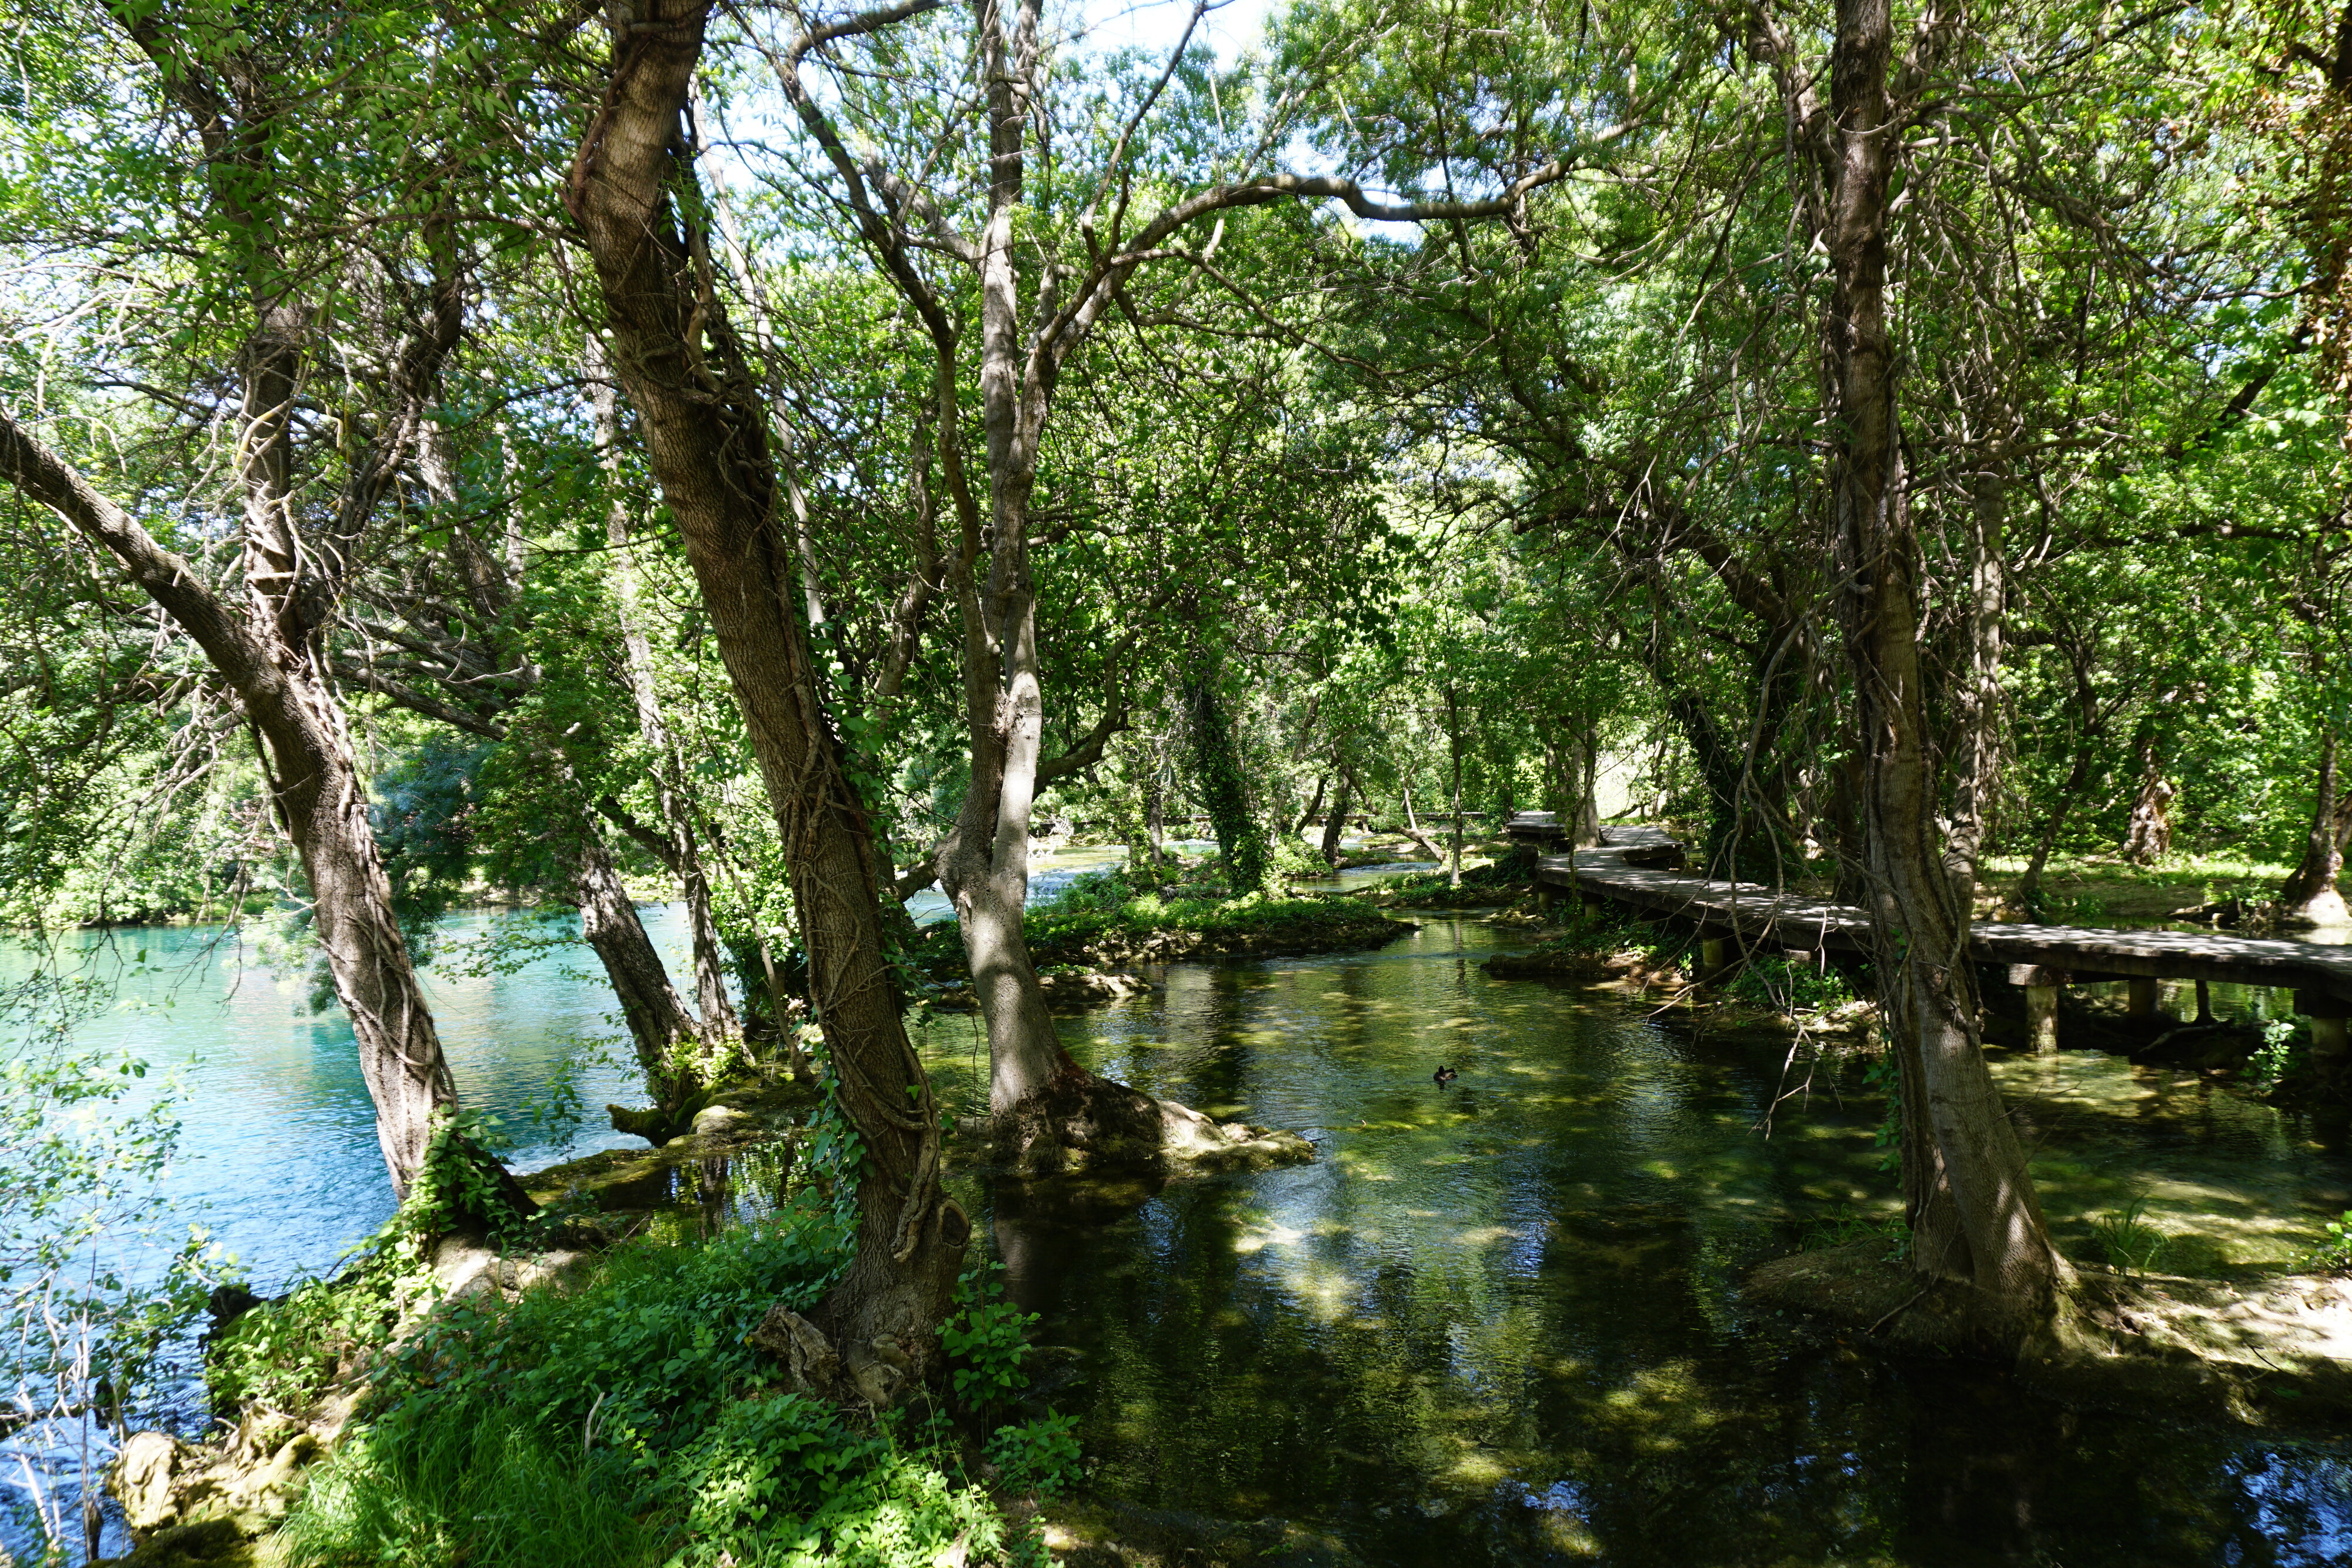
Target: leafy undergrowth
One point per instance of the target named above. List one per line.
(624, 1423)
(1100, 919)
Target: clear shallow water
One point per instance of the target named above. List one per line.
(1500, 1321)
(1495, 1323)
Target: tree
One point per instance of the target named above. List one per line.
(1974, 1215)
(234, 93)
(640, 215)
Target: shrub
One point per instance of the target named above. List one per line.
(1790, 987)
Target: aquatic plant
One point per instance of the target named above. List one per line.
(2133, 1246)
(2276, 1057)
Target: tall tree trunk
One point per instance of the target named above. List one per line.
(667, 1037)
(2309, 895)
(665, 1033)
(1223, 793)
(1454, 745)
(273, 654)
(1336, 822)
(1974, 1215)
(707, 435)
(1586, 829)
(720, 1026)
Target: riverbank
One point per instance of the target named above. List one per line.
(592, 1392)
(1101, 924)
(1489, 1323)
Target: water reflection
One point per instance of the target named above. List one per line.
(1500, 1323)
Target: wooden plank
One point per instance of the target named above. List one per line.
(1760, 916)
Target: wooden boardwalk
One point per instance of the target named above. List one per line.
(2038, 956)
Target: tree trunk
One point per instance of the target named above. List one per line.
(720, 1028)
(1336, 822)
(315, 786)
(1314, 807)
(1413, 830)
(1223, 793)
(2025, 898)
(1974, 1215)
(1586, 829)
(706, 436)
(2309, 895)
(2147, 838)
(666, 1037)
(1454, 745)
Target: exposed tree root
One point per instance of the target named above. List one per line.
(2276, 1350)
(1079, 1122)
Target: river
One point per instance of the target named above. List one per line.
(1496, 1321)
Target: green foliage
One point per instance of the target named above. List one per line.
(1790, 988)
(1042, 1454)
(1225, 792)
(100, 1276)
(629, 1422)
(2278, 1057)
(767, 1458)
(1595, 929)
(282, 1355)
(424, 801)
(2335, 1254)
(2132, 1244)
(986, 1340)
(1101, 909)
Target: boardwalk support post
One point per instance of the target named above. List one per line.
(2141, 990)
(1714, 957)
(2327, 1015)
(2040, 985)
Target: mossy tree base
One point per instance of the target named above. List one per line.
(1079, 1123)
(2276, 1350)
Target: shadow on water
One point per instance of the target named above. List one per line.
(1500, 1321)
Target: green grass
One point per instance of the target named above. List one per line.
(1100, 915)
(1598, 929)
